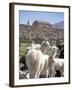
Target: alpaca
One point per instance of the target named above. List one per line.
(35, 60)
(58, 65)
(54, 65)
(33, 46)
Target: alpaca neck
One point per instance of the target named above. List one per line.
(55, 54)
(43, 49)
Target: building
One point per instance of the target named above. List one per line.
(41, 24)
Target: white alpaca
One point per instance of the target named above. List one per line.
(52, 64)
(46, 69)
(35, 60)
(34, 46)
(57, 65)
(37, 46)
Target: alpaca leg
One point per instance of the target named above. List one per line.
(38, 72)
(31, 73)
(47, 73)
(50, 71)
(53, 72)
(62, 71)
(36, 75)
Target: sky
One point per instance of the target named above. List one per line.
(51, 17)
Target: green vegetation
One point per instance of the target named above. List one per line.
(22, 49)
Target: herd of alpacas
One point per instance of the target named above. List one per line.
(41, 63)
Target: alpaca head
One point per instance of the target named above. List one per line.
(54, 50)
(45, 45)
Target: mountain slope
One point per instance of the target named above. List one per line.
(59, 25)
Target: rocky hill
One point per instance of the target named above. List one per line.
(40, 31)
